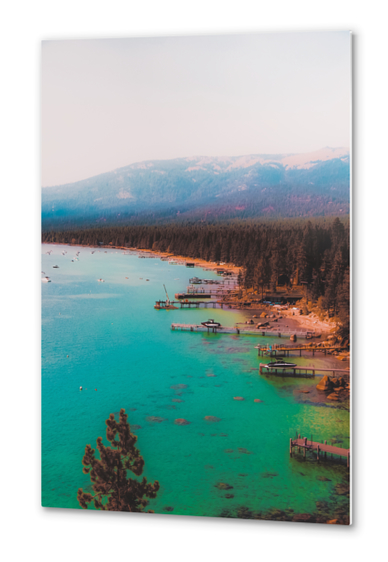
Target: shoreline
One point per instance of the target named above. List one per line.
(308, 322)
(212, 266)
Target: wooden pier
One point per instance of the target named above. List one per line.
(285, 351)
(192, 304)
(318, 448)
(242, 329)
(218, 292)
(301, 371)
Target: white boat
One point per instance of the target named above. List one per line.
(211, 324)
(101, 280)
(46, 280)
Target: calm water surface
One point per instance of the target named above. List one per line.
(117, 343)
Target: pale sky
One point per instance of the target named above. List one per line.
(111, 102)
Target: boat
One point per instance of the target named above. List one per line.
(101, 280)
(281, 364)
(55, 266)
(211, 324)
(46, 280)
(193, 295)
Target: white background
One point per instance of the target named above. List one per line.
(47, 534)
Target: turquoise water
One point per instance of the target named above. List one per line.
(118, 344)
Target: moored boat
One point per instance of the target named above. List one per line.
(281, 364)
(211, 324)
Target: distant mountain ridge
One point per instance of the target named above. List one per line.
(206, 188)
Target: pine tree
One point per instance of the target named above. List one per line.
(113, 490)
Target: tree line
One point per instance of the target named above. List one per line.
(316, 251)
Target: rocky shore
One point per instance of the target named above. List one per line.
(335, 512)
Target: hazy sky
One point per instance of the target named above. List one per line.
(108, 103)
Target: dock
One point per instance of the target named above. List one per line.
(318, 448)
(192, 304)
(243, 329)
(218, 292)
(302, 371)
(285, 351)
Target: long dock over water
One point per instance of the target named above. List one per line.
(301, 371)
(192, 304)
(319, 448)
(285, 350)
(248, 330)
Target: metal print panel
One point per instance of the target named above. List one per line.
(196, 275)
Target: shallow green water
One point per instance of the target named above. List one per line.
(120, 345)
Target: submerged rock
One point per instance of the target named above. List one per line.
(342, 489)
(229, 496)
(178, 386)
(212, 419)
(258, 400)
(223, 486)
(181, 421)
(268, 474)
(155, 419)
(323, 479)
(244, 451)
(168, 508)
(238, 398)
(333, 396)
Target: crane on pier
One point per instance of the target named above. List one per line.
(168, 300)
(167, 305)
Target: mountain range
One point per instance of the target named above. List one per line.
(206, 188)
